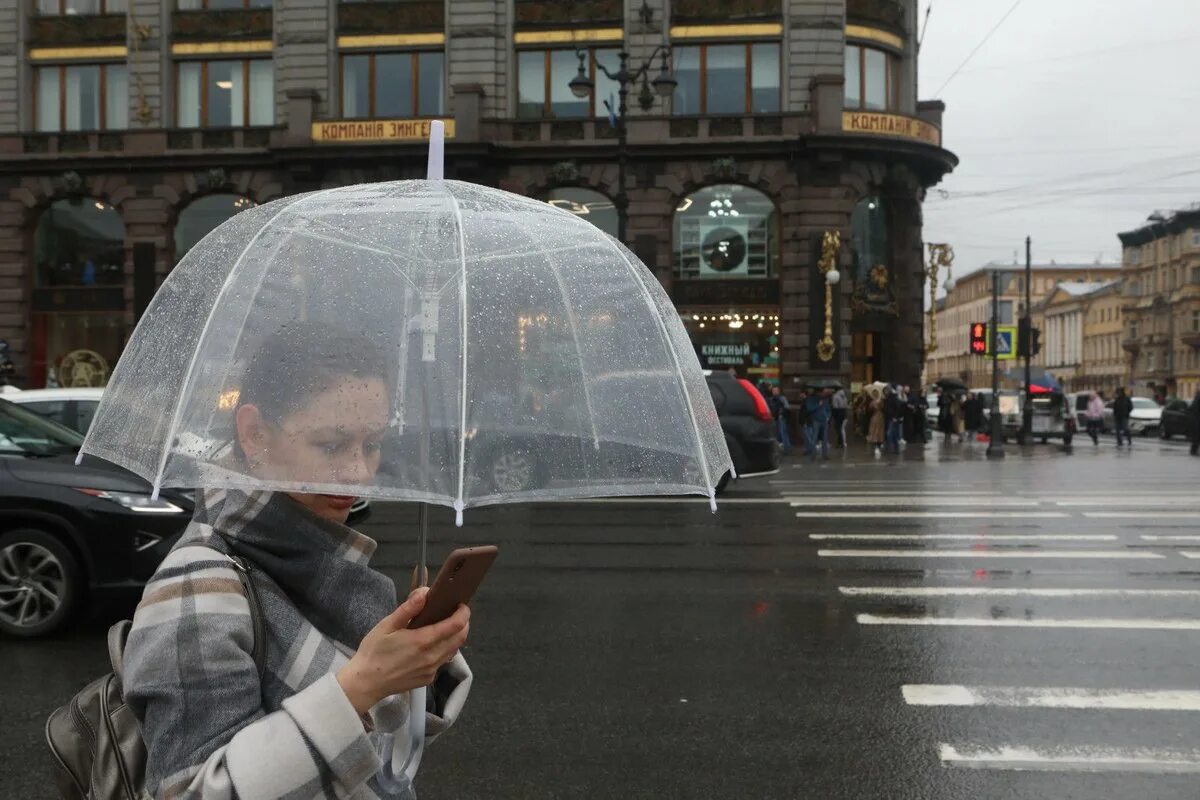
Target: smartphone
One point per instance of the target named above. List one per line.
(455, 584)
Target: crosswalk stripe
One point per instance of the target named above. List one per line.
(1195, 515)
(1189, 553)
(1170, 537)
(915, 501)
(1051, 697)
(933, 514)
(982, 537)
(1152, 501)
(934, 553)
(989, 622)
(987, 591)
(1074, 759)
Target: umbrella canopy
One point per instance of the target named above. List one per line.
(875, 390)
(1040, 380)
(951, 384)
(423, 340)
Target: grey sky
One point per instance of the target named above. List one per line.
(1077, 119)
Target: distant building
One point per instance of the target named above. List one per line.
(1080, 323)
(1161, 265)
(971, 301)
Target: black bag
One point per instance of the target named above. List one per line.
(95, 739)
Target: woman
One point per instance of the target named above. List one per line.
(875, 429)
(957, 416)
(329, 718)
(1095, 416)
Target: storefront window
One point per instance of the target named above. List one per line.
(588, 204)
(52, 8)
(83, 97)
(544, 77)
(78, 328)
(726, 79)
(204, 214)
(224, 94)
(384, 85)
(726, 231)
(870, 79)
(79, 243)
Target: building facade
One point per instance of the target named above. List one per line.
(971, 301)
(1080, 324)
(130, 128)
(1161, 264)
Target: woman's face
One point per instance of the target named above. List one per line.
(334, 438)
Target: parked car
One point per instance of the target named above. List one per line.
(1078, 402)
(750, 431)
(1053, 418)
(1143, 420)
(75, 408)
(1176, 420)
(71, 532)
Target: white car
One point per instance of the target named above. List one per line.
(75, 409)
(1144, 420)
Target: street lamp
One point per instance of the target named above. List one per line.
(663, 85)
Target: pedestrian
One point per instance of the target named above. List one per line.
(1095, 416)
(818, 412)
(1122, 409)
(893, 411)
(780, 410)
(920, 406)
(1194, 413)
(837, 405)
(973, 415)
(875, 426)
(331, 717)
(958, 417)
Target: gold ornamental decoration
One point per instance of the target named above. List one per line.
(82, 369)
(940, 255)
(831, 243)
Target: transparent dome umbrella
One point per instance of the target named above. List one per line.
(528, 355)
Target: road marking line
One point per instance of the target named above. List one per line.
(1072, 760)
(980, 591)
(1190, 553)
(1142, 514)
(989, 622)
(990, 537)
(676, 500)
(1051, 697)
(934, 514)
(1179, 500)
(1170, 537)
(920, 501)
(937, 553)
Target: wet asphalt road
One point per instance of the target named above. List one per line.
(913, 634)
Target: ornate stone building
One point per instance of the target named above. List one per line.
(130, 128)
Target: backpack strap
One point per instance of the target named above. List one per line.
(242, 567)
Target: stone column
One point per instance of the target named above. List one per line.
(302, 44)
(479, 51)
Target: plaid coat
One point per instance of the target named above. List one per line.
(212, 728)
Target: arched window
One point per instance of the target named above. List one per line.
(202, 215)
(591, 205)
(726, 231)
(869, 237)
(78, 293)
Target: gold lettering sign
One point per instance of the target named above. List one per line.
(891, 125)
(359, 131)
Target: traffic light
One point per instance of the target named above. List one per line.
(1023, 337)
(1035, 341)
(978, 338)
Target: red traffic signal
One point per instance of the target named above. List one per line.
(978, 338)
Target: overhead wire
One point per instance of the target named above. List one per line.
(982, 42)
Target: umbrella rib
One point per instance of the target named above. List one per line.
(462, 427)
(662, 329)
(348, 243)
(187, 376)
(517, 253)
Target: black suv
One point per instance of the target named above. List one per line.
(67, 532)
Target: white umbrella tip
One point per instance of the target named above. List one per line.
(712, 503)
(458, 513)
(435, 168)
(79, 458)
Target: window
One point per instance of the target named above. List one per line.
(202, 215)
(84, 97)
(870, 79)
(79, 244)
(1133, 255)
(53, 8)
(726, 231)
(869, 238)
(225, 94)
(382, 85)
(1195, 238)
(1196, 321)
(726, 79)
(588, 204)
(544, 77)
(221, 5)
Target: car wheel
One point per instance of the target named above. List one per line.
(512, 471)
(1163, 433)
(40, 583)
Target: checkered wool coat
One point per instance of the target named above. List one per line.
(213, 729)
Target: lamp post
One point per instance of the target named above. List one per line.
(663, 84)
(996, 438)
(1027, 406)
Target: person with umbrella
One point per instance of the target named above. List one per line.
(1122, 409)
(838, 405)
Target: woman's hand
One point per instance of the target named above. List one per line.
(393, 659)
